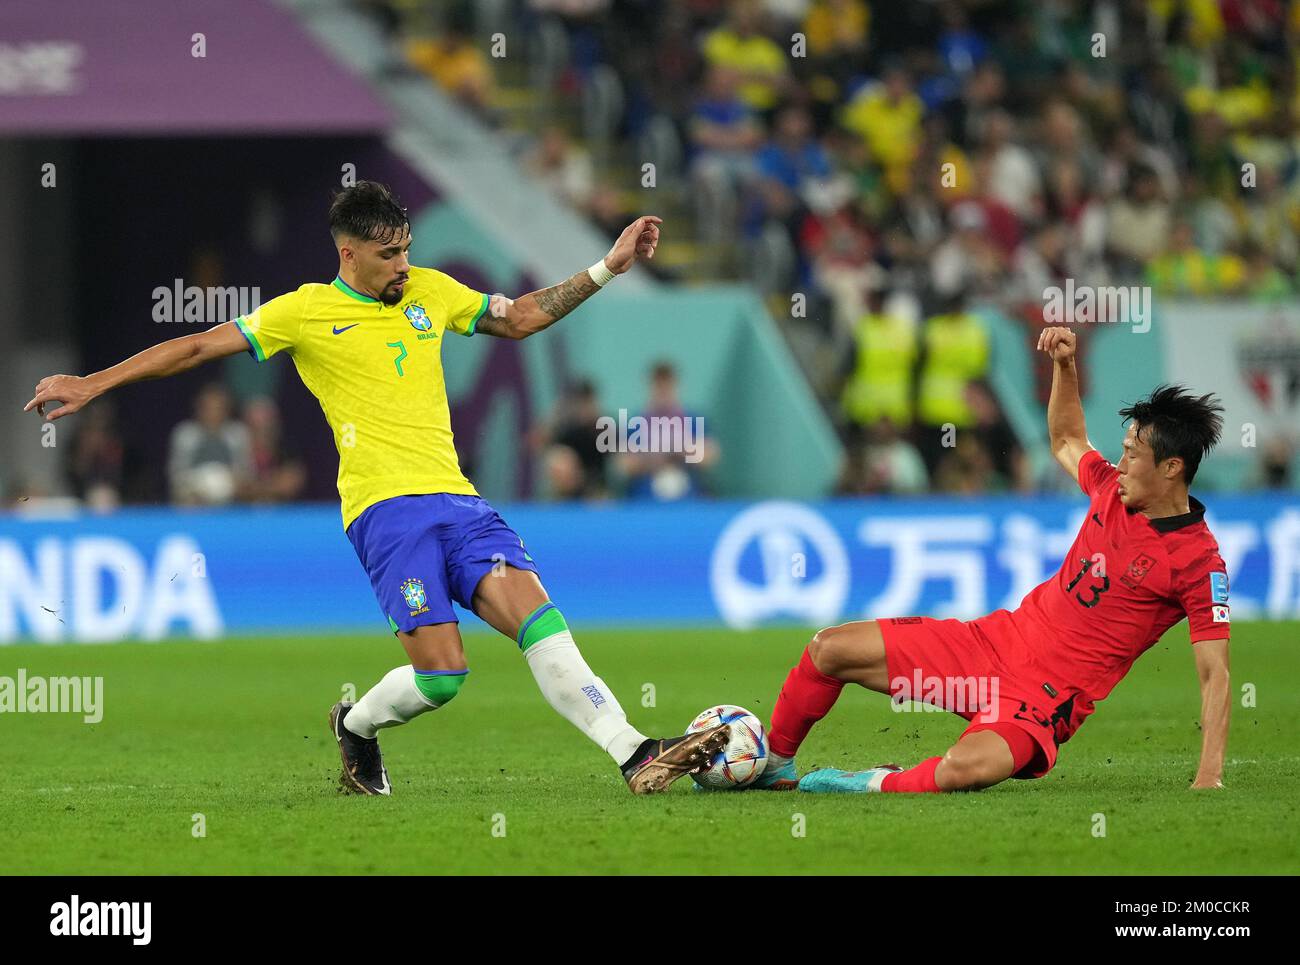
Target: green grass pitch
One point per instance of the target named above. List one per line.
(236, 731)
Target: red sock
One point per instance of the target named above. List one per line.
(914, 780)
(806, 697)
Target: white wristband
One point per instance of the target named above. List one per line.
(600, 274)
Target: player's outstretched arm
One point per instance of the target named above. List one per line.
(529, 314)
(1065, 424)
(1216, 707)
(166, 358)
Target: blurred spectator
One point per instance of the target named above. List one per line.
(1139, 222)
(1025, 58)
(455, 63)
(581, 21)
(574, 464)
(740, 45)
(1081, 216)
(998, 439)
(96, 464)
(968, 261)
(565, 480)
(610, 211)
(676, 61)
(1264, 281)
(792, 157)
(1212, 161)
(1003, 226)
(887, 116)
(787, 168)
(1185, 270)
(724, 134)
(881, 385)
(881, 461)
(210, 457)
(1271, 219)
(275, 475)
(1063, 136)
(1039, 263)
(1157, 108)
(1238, 99)
(1127, 151)
(667, 476)
(965, 469)
(1274, 469)
(563, 166)
(837, 237)
(1013, 177)
(956, 350)
(961, 48)
(837, 33)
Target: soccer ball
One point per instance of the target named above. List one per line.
(744, 757)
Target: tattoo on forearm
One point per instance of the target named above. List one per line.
(558, 300)
(491, 325)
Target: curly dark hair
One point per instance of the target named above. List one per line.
(367, 211)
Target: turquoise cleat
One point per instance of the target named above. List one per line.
(831, 780)
(783, 778)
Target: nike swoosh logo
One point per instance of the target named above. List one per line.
(340, 331)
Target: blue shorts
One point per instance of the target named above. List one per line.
(422, 552)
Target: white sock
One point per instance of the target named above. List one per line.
(394, 700)
(580, 697)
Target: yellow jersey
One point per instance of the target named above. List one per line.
(377, 372)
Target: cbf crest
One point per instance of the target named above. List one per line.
(415, 597)
(418, 317)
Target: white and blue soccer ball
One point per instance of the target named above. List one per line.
(744, 757)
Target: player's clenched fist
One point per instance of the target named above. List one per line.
(71, 390)
(638, 240)
(1058, 342)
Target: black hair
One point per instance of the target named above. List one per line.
(367, 211)
(1173, 422)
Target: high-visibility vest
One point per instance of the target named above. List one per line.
(881, 384)
(957, 351)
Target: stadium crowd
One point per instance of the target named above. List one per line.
(901, 164)
(904, 163)
(216, 456)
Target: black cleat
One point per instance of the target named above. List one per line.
(657, 763)
(363, 765)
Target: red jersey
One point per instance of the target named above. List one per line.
(1126, 580)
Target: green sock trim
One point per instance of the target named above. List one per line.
(543, 622)
(440, 686)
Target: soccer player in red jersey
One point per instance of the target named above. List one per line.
(1026, 679)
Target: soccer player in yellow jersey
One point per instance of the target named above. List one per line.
(369, 347)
